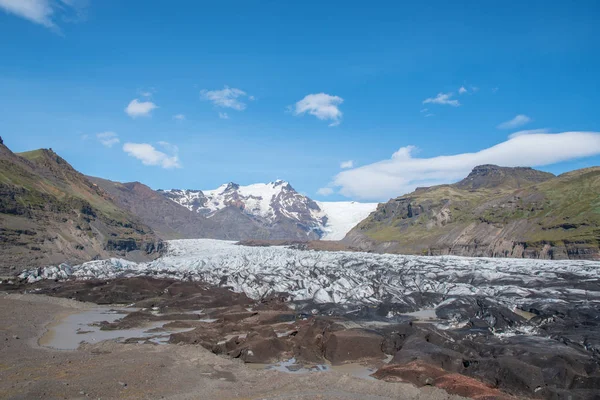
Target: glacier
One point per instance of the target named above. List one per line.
(351, 278)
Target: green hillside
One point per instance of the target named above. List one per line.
(540, 216)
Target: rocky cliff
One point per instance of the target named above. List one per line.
(50, 213)
(494, 212)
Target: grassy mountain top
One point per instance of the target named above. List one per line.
(493, 176)
(517, 212)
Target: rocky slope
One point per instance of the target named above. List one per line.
(168, 219)
(275, 207)
(50, 213)
(494, 212)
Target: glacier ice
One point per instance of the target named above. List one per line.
(347, 277)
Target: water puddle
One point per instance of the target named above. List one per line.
(291, 366)
(70, 332)
(427, 314)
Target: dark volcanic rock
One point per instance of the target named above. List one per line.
(418, 348)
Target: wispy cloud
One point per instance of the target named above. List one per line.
(138, 108)
(223, 115)
(226, 98)
(443, 98)
(325, 191)
(468, 89)
(347, 164)
(108, 139)
(426, 113)
(322, 106)
(179, 117)
(149, 155)
(516, 122)
(43, 12)
(404, 172)
(149, 92)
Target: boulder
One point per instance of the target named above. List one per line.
(352, 345)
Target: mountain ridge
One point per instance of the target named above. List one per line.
(276, 204)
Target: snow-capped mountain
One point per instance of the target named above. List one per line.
(277, 207)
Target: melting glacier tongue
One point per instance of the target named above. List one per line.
(352, 278)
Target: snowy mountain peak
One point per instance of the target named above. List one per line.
(231, 186)
(277, 207)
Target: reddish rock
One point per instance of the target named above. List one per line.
(420, 374)
(468, 387)
(416, 372)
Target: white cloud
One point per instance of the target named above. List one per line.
(462, 90)
(325, 191)
(424, 110)
(148, 155)
(429, 115)
(223, 115)
(138, 108)
(108, 139)
(42, 11)
(347, 164)
(404, 172)
(443, 98)
(322, 106)
(179, 117)
(517, 121)
(226, 98)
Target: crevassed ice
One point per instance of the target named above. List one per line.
(344, 277)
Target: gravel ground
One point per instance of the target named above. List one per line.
(143, 371)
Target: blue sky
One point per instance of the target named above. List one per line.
(257, 91)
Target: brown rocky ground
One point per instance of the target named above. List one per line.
(218, 322)
(143, 371)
